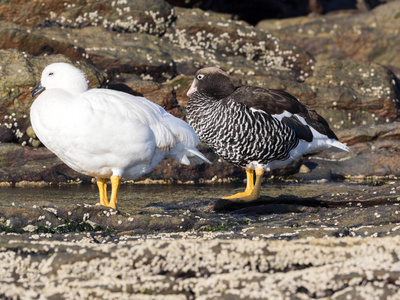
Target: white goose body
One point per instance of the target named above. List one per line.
(105, 133)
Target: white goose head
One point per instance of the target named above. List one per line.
(62, 76)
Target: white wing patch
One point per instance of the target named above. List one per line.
(287, 114)
(320, 141)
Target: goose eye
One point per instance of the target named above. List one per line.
(51, 73)
(200, 76)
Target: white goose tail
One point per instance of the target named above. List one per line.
(188, 156)
(335, 145)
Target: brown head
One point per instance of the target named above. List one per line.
(213, 82)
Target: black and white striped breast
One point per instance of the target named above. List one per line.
(237, 133)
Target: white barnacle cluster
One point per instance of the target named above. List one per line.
(217, 41)
(146, 77)
(11, 122)
(357, 29)
(86, 217)
(121, 17)
(202, 43)
(220, 267)
(51, 210)
(154, 21)
(92, 18)
(378, 91)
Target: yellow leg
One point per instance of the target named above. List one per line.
(252, 191)
(114, 191)
(255, 194)
(102, 185)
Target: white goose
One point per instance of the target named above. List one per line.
(106, 133)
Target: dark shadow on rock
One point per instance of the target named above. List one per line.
(265, 205)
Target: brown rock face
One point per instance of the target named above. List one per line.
(151, 17)
(357, 35)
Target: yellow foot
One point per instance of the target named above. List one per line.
(238, 195)
(252, 191)
(247, 196)
(249, 186)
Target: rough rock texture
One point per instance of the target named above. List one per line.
(257, 10)
(200, 269)
(342, 241)
(362, 36)
(149, 16)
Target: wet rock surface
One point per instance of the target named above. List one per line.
(338, 241)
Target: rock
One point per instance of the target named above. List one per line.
(255, 11)
(116, 53)
(214, 39)
(152, 16)
(208, 248)
(6, 134)
(35, 143)
(12, 37)
(355, 88)
(304, 169)
(366, 133)
(158, 60)
(363, 36)
(203, 267)
(20, 163)
(31, 133)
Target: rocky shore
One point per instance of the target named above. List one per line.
(342, 64)
(329, 241)
(341, 243)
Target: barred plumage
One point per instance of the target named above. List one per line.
(238, 134)
(252, 127)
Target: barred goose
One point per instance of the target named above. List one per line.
(254, 128)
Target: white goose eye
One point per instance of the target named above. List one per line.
(200, 76)
(51, 73)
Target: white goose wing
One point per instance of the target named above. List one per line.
(118, 104)
(168, 130)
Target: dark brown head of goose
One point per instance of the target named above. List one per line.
(212, 82)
